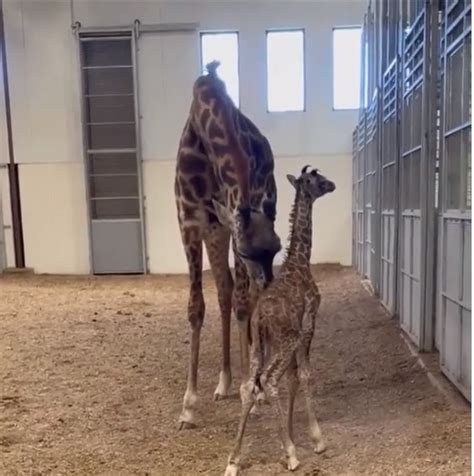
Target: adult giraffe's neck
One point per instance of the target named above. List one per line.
(216, 121)
(234, 163)
(299, 249)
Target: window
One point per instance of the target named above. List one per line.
(109, 114)
(285, 71)
(346, 67)
(223, 47)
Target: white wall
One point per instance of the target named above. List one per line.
(6, 231)
(44, 87)
(6, 235)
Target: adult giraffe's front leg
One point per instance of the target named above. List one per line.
(242, 309)
(196, 311)
(217, 245)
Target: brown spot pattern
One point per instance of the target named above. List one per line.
(190, 138)
(190, 164)
(199, 185)
(205, 116)
(215, 131)
(220, 150)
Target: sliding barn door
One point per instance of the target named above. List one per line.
(111, 141)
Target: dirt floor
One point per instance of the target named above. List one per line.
(92, 375)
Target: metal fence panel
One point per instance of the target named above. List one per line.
(361, 193)
(371, 196)
(412, 173)
(389, 186)
(413, 56)
(454, 287)
(354, 198)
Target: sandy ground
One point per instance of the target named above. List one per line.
(92, 374)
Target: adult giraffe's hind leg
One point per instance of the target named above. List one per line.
(196, 310)
(217, 245)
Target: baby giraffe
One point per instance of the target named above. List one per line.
(283, 323)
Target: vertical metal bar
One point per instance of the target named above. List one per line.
(139, 157)
(15, 202)
(378, 149)
(363, 152)
(364, 194)
(378, 249)
(396, 178)
(428, 212)
(398, 171)
(463, 183)
(442, 177)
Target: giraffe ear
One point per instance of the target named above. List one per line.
(292, 180)
(223, 215)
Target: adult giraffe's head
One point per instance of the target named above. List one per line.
(255, 239)
(252, 228)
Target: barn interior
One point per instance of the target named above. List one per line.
(94, 286)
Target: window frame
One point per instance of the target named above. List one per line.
(287, 30)
(202, 65)
(346, 27)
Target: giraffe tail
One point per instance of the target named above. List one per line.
(212, 67)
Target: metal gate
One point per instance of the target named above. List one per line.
(454, 288)
(423, 170)
(360, 228)
(370, 186)
(389, 221)
(359, 158)
(371, 147)
(389, 155)
(416, 167)
(112, 152)
(354, 198)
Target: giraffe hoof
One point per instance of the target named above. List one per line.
(260, 398)
(218, 397)
(231, 470)
(186, 425)
(293, 463)
(255, 412)
(223, 387)
(320, 447)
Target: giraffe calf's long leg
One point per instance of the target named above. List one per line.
(292, 384)
(307, 383)
(270, 378)
(248, 392)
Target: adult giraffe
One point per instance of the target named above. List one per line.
(224, 188)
